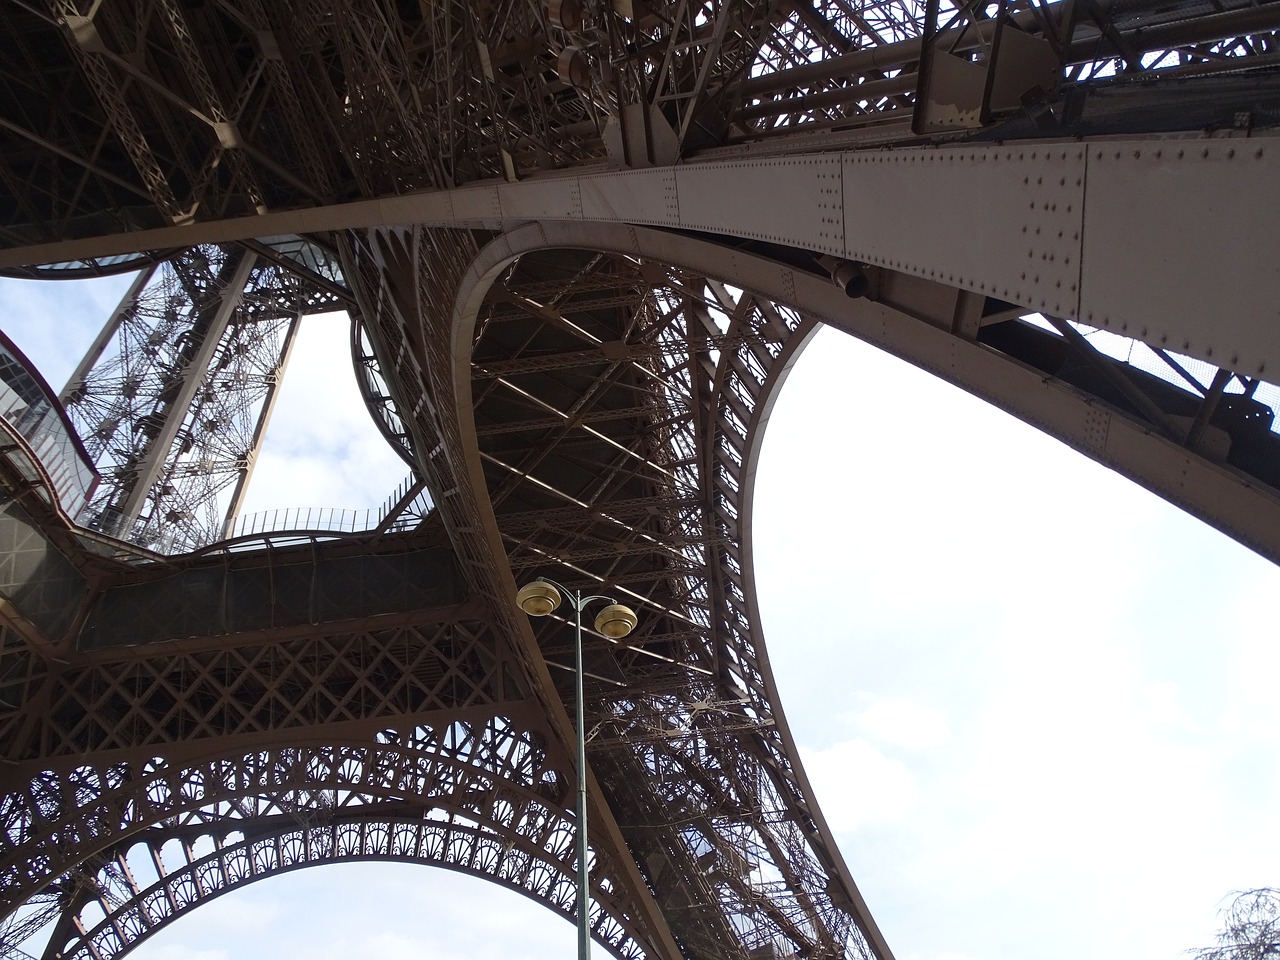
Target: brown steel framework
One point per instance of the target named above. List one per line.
(584, 241)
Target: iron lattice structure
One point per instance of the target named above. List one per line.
(174, 397)
(583, 242)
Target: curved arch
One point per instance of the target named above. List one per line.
(1238, 504)
(1215, 492)
(750, 364)
(108, 805)
(463, 848)
(487, 779)
(111, 803)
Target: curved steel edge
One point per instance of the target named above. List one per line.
(743, 270)
(963, 214)
(483, 828)
(1231, 502)
(484, 269)
(1214, 493)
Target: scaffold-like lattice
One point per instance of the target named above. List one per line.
(580, 387)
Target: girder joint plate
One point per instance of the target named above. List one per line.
(1196, 197)
(761, 199)
(1004, 221)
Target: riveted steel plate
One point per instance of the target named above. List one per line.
(1180, 247)
(795, 200)
(1004, 221)
(551, 199)
(479, 203)
(633, 196)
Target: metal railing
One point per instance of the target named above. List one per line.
(403, 507)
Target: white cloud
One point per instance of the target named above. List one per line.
(321, 448)
(1102, 662)
(901, 723)
(378, 911)
(53, 322)
(183, 951)
(857, 785)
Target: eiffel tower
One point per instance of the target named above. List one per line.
(582, 244)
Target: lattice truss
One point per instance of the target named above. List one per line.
(120, 116)
(431, 752)
(478, 796)
(849, 63)
(163, 112)
(618, 407)
(173, 400)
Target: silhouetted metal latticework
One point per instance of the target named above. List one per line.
(582, 243)
(174, 397)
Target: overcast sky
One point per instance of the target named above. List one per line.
(1037, 703)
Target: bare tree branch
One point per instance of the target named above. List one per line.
(1251, 928)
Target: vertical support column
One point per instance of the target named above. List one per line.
(580, 810)
(174, 397)
(264, 418)
(209, 327)
(109, 331)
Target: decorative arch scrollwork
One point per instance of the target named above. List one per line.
(126, 849)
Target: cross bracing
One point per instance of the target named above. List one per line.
(175, 395)
(173, 402)
(116, 122)
(584, 395)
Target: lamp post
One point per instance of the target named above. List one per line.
(615, 621)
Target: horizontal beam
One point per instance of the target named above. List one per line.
(1167, 240)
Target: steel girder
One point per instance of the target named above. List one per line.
(690, 317)
(316, 736)
(686, 706)
(174, 397)
(127, 116)
(678, 705)
(684, 739)
(1168, 432)
(1034, 227)
(573, 469)
(175, 394)
(1042, 226)
(237, 120)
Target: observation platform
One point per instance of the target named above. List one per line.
(63, 583)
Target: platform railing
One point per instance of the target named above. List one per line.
(402, 510)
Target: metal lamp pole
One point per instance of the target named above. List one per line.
(615, 621)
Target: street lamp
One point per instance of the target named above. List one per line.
(614, 621)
